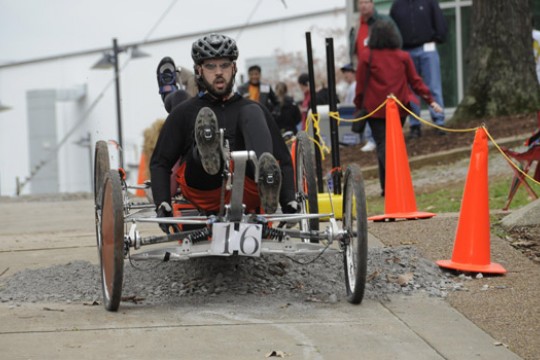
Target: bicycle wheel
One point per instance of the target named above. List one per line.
(110, 228)
(101, 166)
(305, 181)
(356, 238)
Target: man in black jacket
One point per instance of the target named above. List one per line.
(422, 26)
(191, 133)
(257, 91)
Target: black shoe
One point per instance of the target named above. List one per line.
(269, 182)
(166, 76)
(207, 140)
(415, 132)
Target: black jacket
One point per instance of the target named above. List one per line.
(258, 133)
(267, 97)
(419, 21)
(287, 115)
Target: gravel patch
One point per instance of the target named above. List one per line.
(397, 270)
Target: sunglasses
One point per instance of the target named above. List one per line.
(214, 66)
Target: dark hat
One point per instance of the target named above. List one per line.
(303, 79)
(348, 67)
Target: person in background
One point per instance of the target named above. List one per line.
(287, 113)
(391, 72)
(257, 91)
(321, 98)
(359, 42)
(422, 26)
(349, 73)
(358, 37)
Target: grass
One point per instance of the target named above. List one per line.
(448, 199)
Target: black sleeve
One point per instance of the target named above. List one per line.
(273, 98)
(439, 23)
(254, 129)
(296, 115)
(169, 148)
(352, 45)
(283, 155)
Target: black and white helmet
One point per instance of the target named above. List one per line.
(214, 46)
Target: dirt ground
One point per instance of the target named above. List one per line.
(507, 307)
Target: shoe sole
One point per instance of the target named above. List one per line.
(166, 86)
(207, 140)
(269, 182)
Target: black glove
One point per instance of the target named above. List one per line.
(291, 207)
(165, 210)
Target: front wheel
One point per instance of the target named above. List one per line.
(355, 243)
(110, 236)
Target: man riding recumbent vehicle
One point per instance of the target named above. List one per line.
(234, 172)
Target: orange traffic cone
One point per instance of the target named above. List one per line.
(471, 247)
(142, 176)
(400, 202)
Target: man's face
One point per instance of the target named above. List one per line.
(218, 76)
(365, 8)
(349, 76)
(254, 77)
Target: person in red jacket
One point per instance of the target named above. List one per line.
(391, 71)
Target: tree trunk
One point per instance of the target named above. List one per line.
(501, 63)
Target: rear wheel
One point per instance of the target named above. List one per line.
(355, 244)
(305, 181)
(110, 228)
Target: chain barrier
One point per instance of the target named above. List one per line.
(335, 115)
(323, 148)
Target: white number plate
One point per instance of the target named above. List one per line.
(226, 240)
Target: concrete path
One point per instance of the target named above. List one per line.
(413, 327)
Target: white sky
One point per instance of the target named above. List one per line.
(38, 28)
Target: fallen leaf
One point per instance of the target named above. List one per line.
(274, 353)
(409, 242)
(132, 298)
(404, 279)
(49, 309)
(523, 243)
(94, 303)
(372, 276)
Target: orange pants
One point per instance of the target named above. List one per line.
(209, 200)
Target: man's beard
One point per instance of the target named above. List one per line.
(218, 93)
